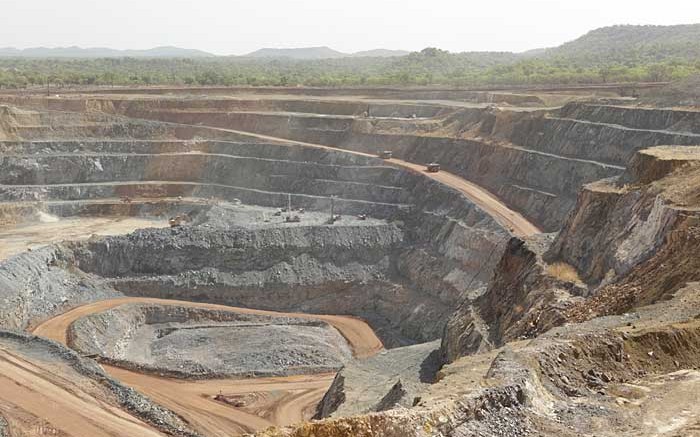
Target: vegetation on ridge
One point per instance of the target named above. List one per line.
(611, 54)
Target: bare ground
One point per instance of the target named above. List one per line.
(38, 400)
(17, 239)
(282, 401)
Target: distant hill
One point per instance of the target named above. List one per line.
(310, 53)
(101, 52)
(607, 55)
(299, 53)
(622, 44)
(380, 53)
(533, 52)
(626, 43)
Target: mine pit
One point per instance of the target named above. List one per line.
(217, 262)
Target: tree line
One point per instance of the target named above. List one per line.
(430, 66)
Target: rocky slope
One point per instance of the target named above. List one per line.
(436, 246)
(592, 378)
(573, 378)
(554, 334)
(626, 244)
(394, 378)
(534, 160)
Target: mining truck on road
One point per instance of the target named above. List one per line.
(433, 167)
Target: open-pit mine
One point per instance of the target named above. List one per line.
(311, 262)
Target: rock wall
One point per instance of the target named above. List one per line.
(535, 161)
(620, 223)
(505, 171)
(566, 382)
(400, 276)
(404, 285)
(4, 427)
(502, 167)
(239, 250)
(37, 285)
(568, 148)
(523, 299)
(674, 120)
(629, 240)
(394, 378)
(310, 179)
(437, 247)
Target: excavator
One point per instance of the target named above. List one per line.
(176, 221)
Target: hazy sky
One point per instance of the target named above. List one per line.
(237, 27)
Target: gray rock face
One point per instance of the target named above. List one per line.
(392, 398)
(628, 240)
(672, 120)
(35, 285)
(536, 163)
(393, 378)
(501, 393)
(437, 248)
(635, 225)
(372, 269)
(506, 171)
(404, 275)
(310, 269)
(621, 222)
(520, 301)
(4, 427)
(238, 250)
(200, 343)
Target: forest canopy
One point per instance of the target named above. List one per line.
(611, 54)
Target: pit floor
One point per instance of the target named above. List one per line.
(17, 239)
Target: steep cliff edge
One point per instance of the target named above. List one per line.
(524, 296)
(665, 222)
(629, 242)
(620, 224)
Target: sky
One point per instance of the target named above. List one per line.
(231, 27)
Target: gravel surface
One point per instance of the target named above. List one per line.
(199, 343)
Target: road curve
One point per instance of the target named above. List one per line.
(361, 338)
(275, 401)
(488, 202)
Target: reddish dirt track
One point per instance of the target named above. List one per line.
(38, 400)
(276, 401)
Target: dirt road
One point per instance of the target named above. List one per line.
(263, 401)
(360, 336)
(38, 400)
(515, 222)
(488, 202)
(276, 401)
